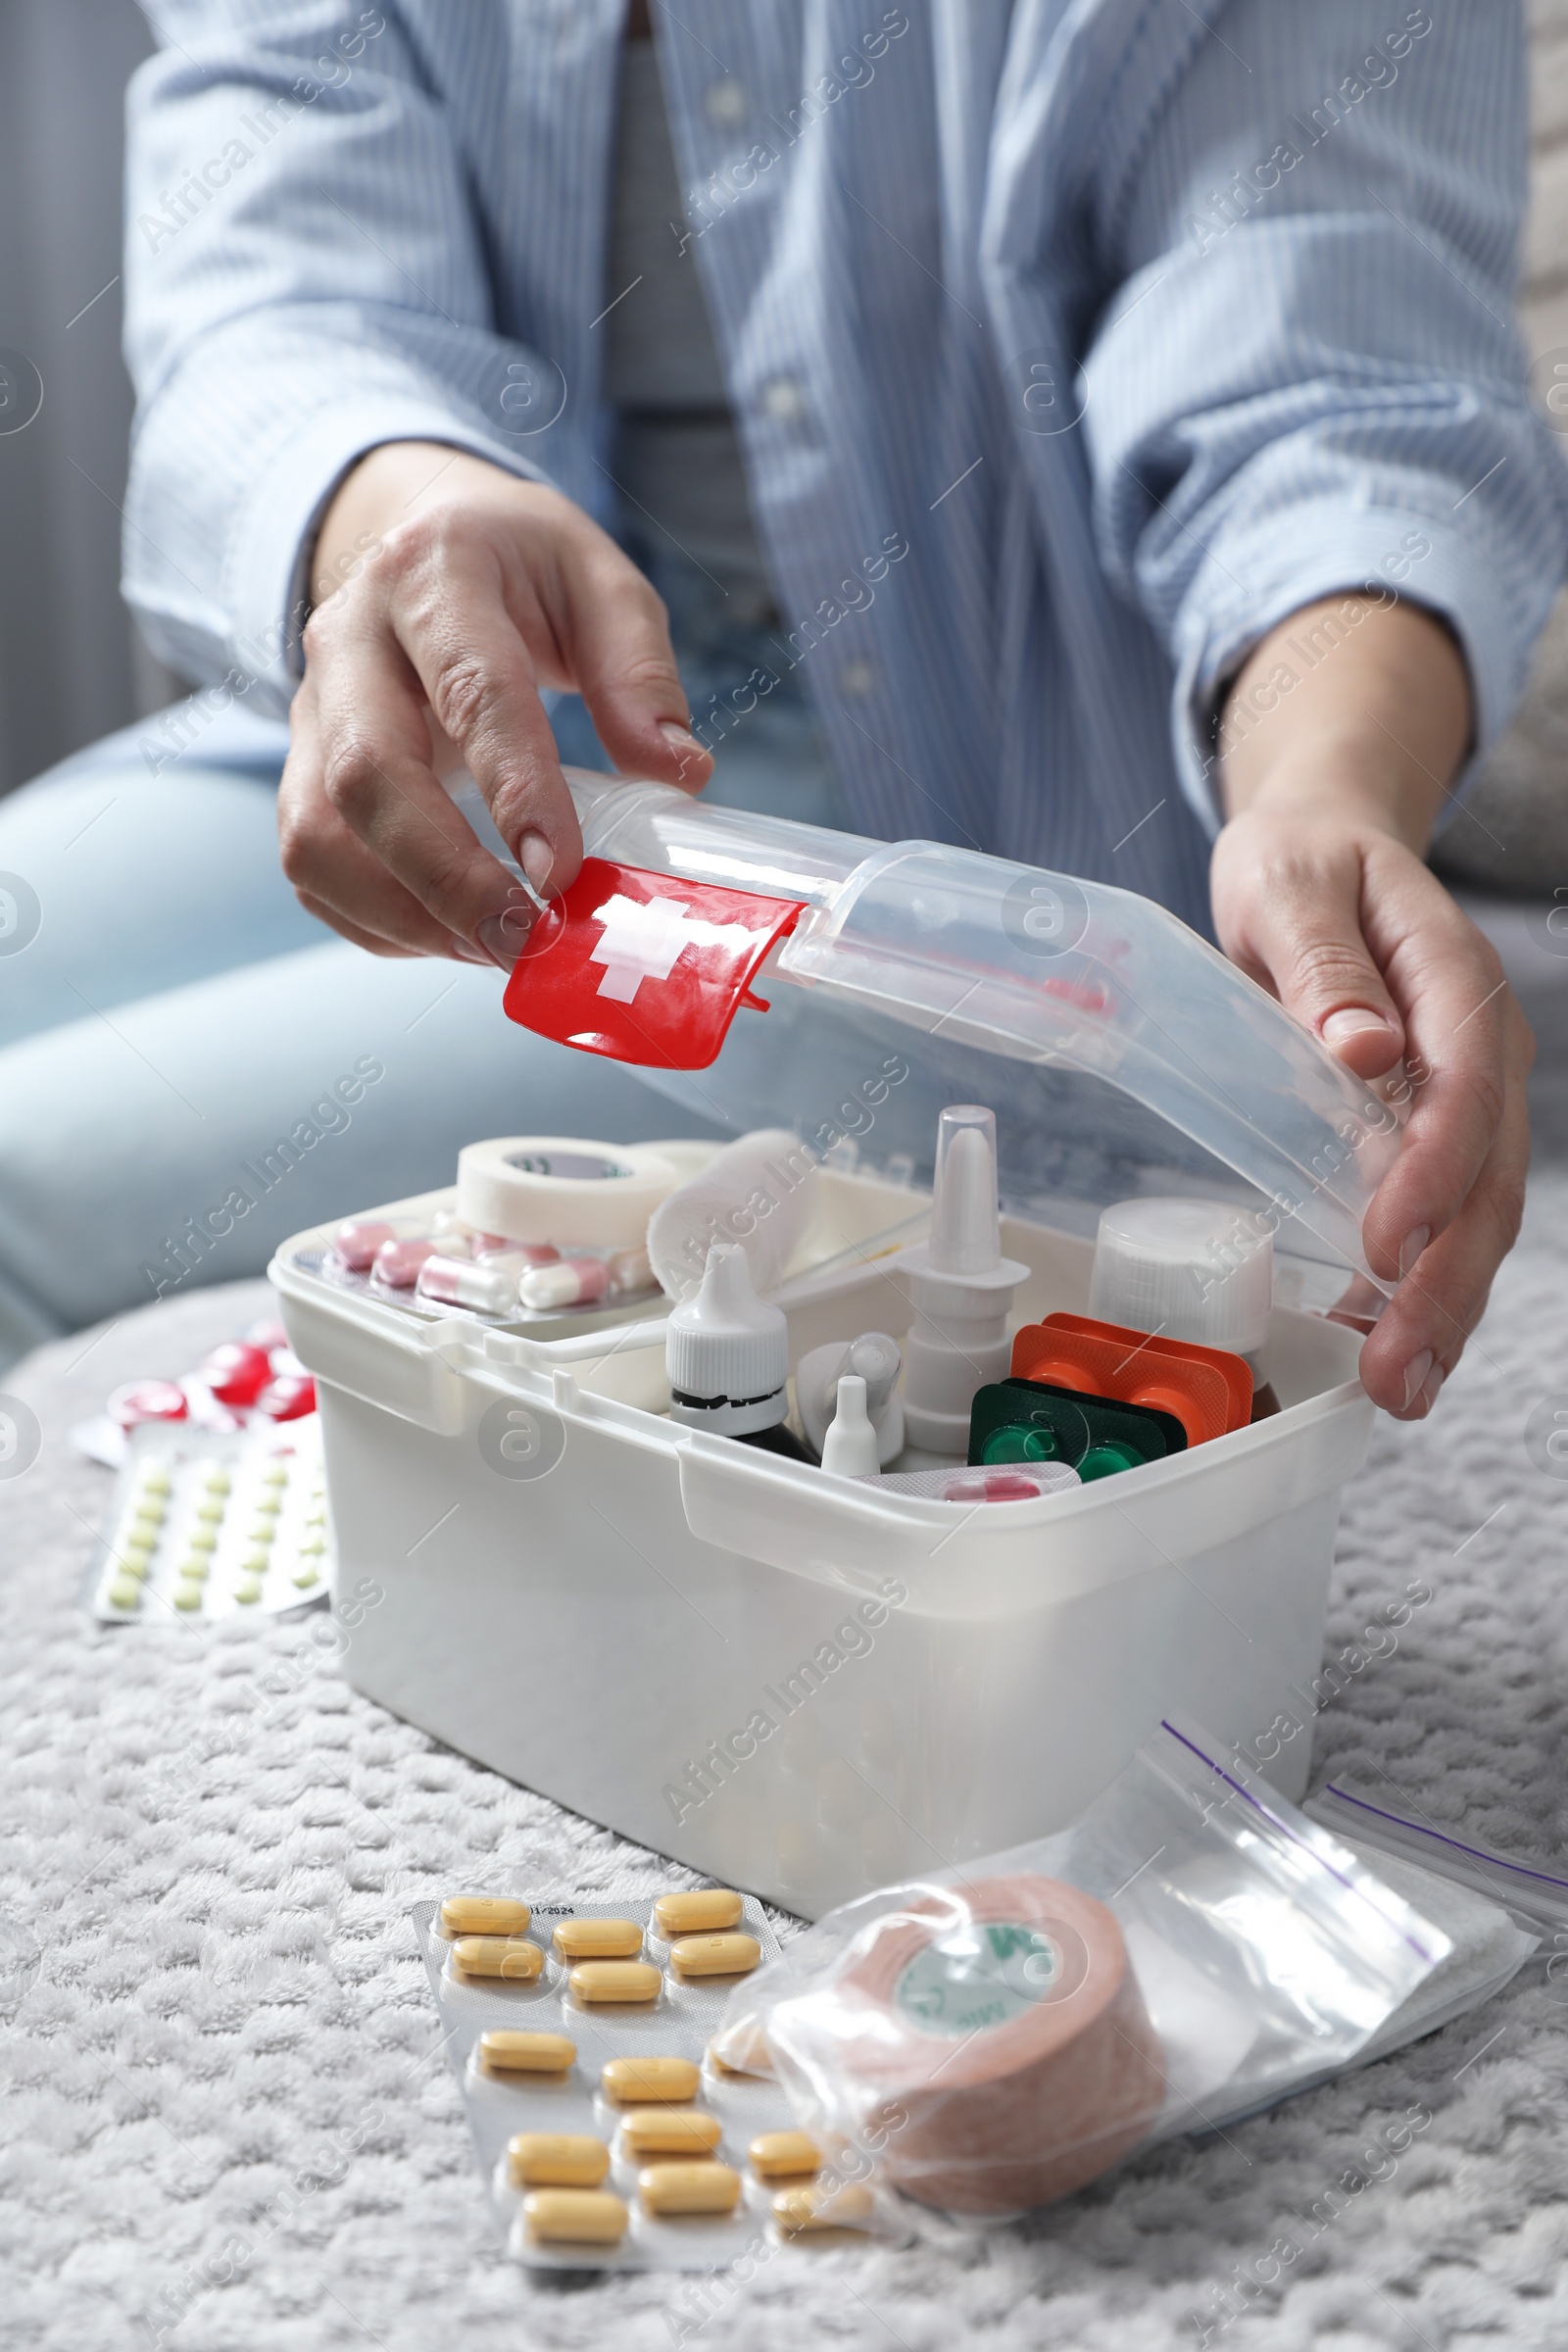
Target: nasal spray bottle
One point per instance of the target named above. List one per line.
(727, 1355)
(962, 1289)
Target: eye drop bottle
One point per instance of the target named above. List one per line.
(726, 1353)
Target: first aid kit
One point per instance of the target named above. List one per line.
(805, 1665)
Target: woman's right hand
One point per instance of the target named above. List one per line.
(448, 593)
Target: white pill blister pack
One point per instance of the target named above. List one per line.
(214, 1523)
(608, 2138)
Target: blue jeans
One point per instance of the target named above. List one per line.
(169, 1014)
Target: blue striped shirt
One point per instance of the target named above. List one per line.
(1072, 344)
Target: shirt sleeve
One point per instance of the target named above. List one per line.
(1309, 379)
(304, 280)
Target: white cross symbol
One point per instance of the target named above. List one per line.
(639, 942)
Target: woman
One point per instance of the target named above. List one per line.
(1095, 433)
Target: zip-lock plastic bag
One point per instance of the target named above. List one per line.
(1521, 1884)
(1497, 1909)
(1192, 1949)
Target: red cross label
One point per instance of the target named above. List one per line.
(643, 967)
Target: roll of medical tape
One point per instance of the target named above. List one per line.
(1008, 2054)
(551, 1188)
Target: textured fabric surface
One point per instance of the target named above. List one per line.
(220, 2050)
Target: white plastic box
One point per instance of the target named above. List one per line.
(939, 1680)
(800, 1685)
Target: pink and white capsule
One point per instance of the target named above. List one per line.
(630, 1270)
(574, 1281)
(356, 1245)
(458, 1282)
(398, 1263)
(454, 1238)
(491, 1248)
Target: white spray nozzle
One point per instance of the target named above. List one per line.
(966, 1231)
(850, 1448)
(961, 1287)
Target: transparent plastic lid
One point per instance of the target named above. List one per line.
(1120, 1052)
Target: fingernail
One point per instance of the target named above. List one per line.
(682, 742)
(1430, 1386)
(1415, 1373)
(537, 859)
(1412, 1247)
(468, 954)
(1354, 1021)
(504, 936)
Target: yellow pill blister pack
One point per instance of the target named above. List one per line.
(214, 1523)
(578, 2029)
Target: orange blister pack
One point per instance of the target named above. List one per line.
(1209, 1390)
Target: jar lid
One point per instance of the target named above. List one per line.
(1194, 1270)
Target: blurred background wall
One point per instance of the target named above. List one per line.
(71, 665)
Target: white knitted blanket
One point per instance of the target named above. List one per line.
(227, 2123)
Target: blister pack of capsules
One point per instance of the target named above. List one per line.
(607, 2136)
(440, 1267)
(214, 1523)
(245, 1383)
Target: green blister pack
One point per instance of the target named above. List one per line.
(1034, 1421)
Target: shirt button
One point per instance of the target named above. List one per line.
(724, 102)
(858, 679)
(784, 399)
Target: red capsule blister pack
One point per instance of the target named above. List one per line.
(645, 968)
(255, 1380)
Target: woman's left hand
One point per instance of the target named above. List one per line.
(1358, 938)
(1321, 894)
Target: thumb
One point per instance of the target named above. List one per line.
(1309, 939)
(626, 674)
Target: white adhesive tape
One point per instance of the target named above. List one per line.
(554, 1188)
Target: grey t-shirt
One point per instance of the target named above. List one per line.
(677, 458)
